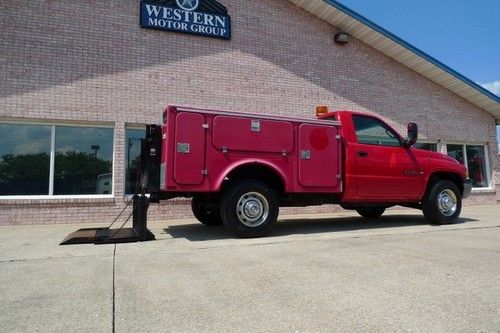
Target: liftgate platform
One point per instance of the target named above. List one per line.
(138, 233)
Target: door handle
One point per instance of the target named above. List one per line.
(362, 153)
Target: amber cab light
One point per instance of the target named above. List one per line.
(321, 110)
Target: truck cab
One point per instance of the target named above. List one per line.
(381, 166)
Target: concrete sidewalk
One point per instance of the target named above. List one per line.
(314, 273)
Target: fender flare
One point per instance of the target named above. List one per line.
(241, 163)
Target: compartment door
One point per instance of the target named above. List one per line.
(189, 148)
(319, 154)
(252, 134)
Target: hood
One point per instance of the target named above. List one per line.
(422, 153)
(441, 162)
(436, 155)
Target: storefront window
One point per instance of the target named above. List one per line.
(24, 159)
(475, 155)
(476, 163)
(426, 146)
(82, 160)
(457, 152)
(132, 156)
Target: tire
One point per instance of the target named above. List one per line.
(206, 214)
(443, 203)
(249, 208)
(371, 212)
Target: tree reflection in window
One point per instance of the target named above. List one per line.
(24, 159)
(83, 160)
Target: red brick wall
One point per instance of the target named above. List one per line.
(82, 61)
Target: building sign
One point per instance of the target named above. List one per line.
(199, 17)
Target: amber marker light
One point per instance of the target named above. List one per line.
(321, 110)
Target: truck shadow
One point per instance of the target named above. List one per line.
(292, 226)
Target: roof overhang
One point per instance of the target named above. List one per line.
(377, 37)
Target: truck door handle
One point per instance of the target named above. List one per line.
(362, 153)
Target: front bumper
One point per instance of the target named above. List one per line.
(467, 188)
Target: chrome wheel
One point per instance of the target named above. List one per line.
(447, 202)
(442, 203)
(252, 209)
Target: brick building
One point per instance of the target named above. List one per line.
(80, 79)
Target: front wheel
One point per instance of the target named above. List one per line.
(443, 203)
(249, 208)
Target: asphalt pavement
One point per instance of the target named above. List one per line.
(314, 273)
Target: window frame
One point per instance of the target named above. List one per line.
(489, 186)
(53, 125)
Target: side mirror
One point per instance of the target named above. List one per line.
(412, 135)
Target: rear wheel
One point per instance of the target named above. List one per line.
(371, 212)
(249, 208)
(206, 211)
(443, 203)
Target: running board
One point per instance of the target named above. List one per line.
(138, 233)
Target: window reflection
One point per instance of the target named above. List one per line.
(83, 160)
(474, 155)
(373, 132)
(426, 146)
(132, 155)
(476, 164)
(24, 159)
(457, 152)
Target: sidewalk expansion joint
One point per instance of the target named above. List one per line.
(114, 292)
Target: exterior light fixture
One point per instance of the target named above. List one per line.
(341, 38)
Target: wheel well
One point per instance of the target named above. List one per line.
(255, 171)
(456, 179)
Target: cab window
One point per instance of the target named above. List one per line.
(372, 131)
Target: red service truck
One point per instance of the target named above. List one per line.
(239, 168)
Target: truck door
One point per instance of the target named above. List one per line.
(384, 169)
(189, 155)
